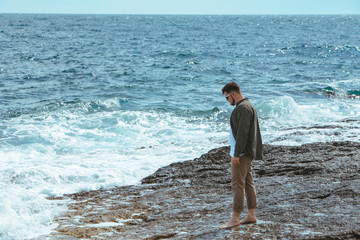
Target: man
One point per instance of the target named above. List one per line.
(246, 145)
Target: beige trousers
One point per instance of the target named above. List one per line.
(242, 181)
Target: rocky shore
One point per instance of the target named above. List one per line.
(304, 192)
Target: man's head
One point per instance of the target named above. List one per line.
(231, 87)
(232, 93)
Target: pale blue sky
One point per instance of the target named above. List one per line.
(182, 6)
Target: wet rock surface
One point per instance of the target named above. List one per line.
(304, 192)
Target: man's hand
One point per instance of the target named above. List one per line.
(235, 161)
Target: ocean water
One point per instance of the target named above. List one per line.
(96, 101)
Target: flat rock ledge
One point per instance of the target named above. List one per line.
(304, 192)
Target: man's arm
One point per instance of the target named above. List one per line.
(242, 121)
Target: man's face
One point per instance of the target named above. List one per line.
(230, 98)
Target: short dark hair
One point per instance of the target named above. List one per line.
(231, 87)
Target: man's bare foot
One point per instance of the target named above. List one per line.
(248, 220)
(230, 224)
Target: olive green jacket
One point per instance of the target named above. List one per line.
(245, 128)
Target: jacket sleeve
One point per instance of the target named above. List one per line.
(241, 122)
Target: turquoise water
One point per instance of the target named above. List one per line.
(90, 101)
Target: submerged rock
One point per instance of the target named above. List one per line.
(304, 192)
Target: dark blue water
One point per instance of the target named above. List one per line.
(89, 101)
(172, 62)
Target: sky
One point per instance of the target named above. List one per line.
(182, 6)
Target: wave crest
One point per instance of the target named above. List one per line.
(282, 107)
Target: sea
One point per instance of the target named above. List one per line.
(98, 101)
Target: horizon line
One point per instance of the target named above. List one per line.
(182, 14)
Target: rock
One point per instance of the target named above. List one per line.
(304, 192)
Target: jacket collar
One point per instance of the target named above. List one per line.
(242, 100)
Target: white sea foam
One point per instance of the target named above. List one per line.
(287, 122)
(66, 152)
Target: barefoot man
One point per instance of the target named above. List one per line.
(246, 145)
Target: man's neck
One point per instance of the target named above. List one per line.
(238, 98)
